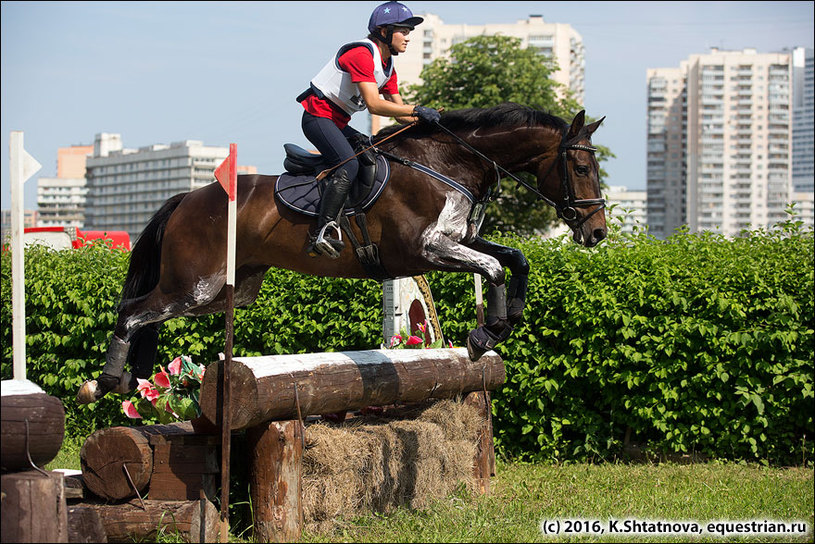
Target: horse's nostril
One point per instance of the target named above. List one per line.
(599, 234)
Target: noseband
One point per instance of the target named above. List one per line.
(567, 208)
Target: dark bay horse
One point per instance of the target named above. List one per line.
(178, 265)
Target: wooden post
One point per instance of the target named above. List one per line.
(85, 525)
(34, 507)
(275, 480)
(484, 462)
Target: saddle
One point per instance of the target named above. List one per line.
(299, 190)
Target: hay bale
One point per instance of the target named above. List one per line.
(405, 457)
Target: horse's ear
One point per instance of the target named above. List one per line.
(577, 124)
(592, 127)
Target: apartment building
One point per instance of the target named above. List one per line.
(433, 39)
(719, 142)
(803, 127)
(61, 200)
(127, 186)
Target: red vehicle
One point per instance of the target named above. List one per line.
(73, 237)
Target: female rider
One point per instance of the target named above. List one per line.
(359, 76)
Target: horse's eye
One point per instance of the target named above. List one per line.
(582, 170)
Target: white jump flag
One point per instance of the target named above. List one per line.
(227, 176)
(22, 166)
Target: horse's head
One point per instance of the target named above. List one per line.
(571, 183)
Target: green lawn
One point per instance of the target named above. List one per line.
(524, 495)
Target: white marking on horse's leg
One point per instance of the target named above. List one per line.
(441, 239)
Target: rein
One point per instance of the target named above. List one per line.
(565, 210)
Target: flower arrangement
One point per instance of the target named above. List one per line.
(405, 340)
(173, 394)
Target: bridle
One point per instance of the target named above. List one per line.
(567, 208)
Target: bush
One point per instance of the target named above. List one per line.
(698, 343)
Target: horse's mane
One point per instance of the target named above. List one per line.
(504, 115)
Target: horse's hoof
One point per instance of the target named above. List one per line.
(87, 392)
(474, 352)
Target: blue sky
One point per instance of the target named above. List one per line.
(226, 72)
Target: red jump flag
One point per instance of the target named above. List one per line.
(227, 173)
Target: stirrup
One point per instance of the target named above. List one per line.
(324, 246)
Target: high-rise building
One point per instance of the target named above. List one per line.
(127, 186)
(803, 128)
(433, 39)
(719, 135)
(61, 200)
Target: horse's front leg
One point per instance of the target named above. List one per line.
(515, 260)
(448, 255)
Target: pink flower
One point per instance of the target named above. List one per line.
(162, 379)
(422, 326)
(396, 340)
(130, 410)
(146, 389)
(175, 366)
(413, 340)
(450, 343)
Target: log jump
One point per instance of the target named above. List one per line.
(271, 397)
(270, 388)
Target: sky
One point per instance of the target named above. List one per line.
(228, 72)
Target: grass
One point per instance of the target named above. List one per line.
(525, 494)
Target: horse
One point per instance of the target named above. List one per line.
(178, 265)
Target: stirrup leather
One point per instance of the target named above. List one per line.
(323, 245)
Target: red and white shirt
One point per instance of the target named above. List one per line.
(353, 64)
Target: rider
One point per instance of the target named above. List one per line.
(351, 81)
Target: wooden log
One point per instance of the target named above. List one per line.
(194, 521)
(332, 382)
(33, 507)
(42, 435)
(85, 525)
(275, 480)
(105, 453)
(484, 462)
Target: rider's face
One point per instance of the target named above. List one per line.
(400, 38)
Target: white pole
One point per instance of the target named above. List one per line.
(22, 166)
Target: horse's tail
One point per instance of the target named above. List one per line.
(143, 272)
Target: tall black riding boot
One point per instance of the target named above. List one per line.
(331, 204)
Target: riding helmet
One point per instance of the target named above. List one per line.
(392, 13)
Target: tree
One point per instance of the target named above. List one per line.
(485, 71)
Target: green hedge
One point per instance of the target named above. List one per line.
(698, 343)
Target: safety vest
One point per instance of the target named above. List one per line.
(336, 84)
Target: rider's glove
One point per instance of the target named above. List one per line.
(426, 115)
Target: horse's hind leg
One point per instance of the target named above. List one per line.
(135, 338)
